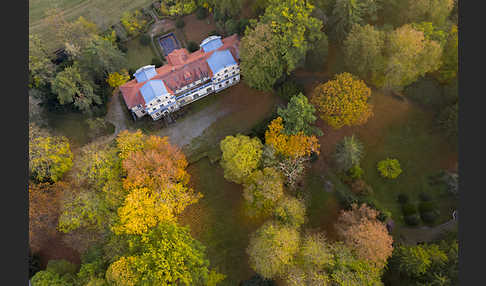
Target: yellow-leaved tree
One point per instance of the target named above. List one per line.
(343, 101)
(116, 79)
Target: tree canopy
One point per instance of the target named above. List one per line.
(343, 101)
(298, 116)
(241, 155)
(41, 68)
(349, 152)
(262, 190)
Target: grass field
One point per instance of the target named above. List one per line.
(102, 12)
(138, 55)
(218, 220)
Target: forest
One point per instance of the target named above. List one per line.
(333, 162)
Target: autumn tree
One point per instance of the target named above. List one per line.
(293, 169)
(241, 155)
(349, 152)
(343, 101)
(229, 8)
(44, 203)
(157, 179)
(261, 65)
(298, 116)
(272, 248)
(409, 55)
(165, 255)
(41, 68)
(116, 79)
(49, 157)
(298, 145)
(435, 11)
(262, 189)
(290, 211)
(178, 7)
(360, 229)
(133, 22)
(72, 87)
(128, 142)
(450, 60)
(364, 52)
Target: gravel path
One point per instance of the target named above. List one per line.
(412, 236)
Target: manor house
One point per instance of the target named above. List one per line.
(185, 78)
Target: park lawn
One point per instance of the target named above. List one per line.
(138, 55)
(422, 151)
(104, 13)
(219, 221)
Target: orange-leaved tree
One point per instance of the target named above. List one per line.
(343, 101)
(297, 145)
(44, 203)
(360, 229)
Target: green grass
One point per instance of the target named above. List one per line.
(218, 220)
(70, 124)
(422, 152)
(102, 12)
(138, 55)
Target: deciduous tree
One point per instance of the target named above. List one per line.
(165, 255)
(49, 157)
(262, 189)
(290, 211)
(133, 22)
(364, 52)
(298, 145)
(261, 65)
(361, 231)
(178, 7)
(450, 60)
(343, 101)
(72, 87)
(116, 79)
(241, 155)
(435, 11)
(272, 248)
(41, 68)
(127, 142)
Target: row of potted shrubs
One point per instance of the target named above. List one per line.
(426, 211)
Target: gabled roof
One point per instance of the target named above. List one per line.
(220, 60)
(145, 73)
(152, 89)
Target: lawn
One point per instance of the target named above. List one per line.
(102, 12)
(218, 220)
(422, 152)
(138, 55)
(196, 30)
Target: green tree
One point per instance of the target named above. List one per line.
(229, 8)
(165, 255)
(72, 87)
(345, 15)
(49, 157)
(100, 58)
(41, 68)
(272, 248)
(389, 168)
(49, 278)
(435, 11)
(448, 121)
(241, 155)
(363, 52)
(349, 152)
(417, 260)
(261, 65)
(290, 211)
(298, 116)
(294, 27)
(262, 190)
(431, 32)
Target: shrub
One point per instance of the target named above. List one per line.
(313, 157)
(360, 187)
(61, 267)
(356, 172)
(289, 89)
(192, 47)
(156, 62)
(409, 209)
(231, 26)
(403, 198)
(389, 168)
(447, 120)
(349, 152)
(145, 39)
(201, 13)
(412, 220)
(213, 33)
(425, 197)
(242, 24)
(427, 207)
(123, 47)
(180, 23)
(429, 217)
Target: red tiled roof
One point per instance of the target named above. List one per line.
(182, 68)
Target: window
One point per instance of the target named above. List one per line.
(234, 72)
(208, 89)
(226, 76)
(226, 70)
(143, 111)
(158, 100)
(220, 85)
(227, 81)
